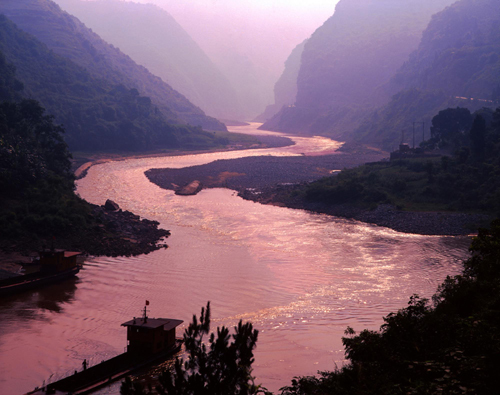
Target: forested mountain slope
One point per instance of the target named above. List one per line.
(349, 58)
(152, 38)
(456, 64)
(68, 37)
(97, 114)
(38, 205)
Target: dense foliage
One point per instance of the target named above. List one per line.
(467, 179)
(165, 49)
(10, 86)
(68, 37)
(218, 367)
(37, 199)
(448, 347)
(96, 114)
(38, 205)
(36, 186)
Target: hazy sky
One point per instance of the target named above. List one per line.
(316, 9)
(265, 29)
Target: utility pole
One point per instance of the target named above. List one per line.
(423, 131)
(413, 134)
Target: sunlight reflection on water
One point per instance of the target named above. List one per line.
(301, 278)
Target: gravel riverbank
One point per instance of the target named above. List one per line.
(386, 215)
(268, 179)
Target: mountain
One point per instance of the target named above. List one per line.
(456, 64)
(459, 52)
(349, 58)
(152, 38)
(96, 114)
(70, 38)
(285, 89)
(10, 86)
(247, 40)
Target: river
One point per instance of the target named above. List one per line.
(301, 278)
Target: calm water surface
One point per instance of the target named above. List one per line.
(301, 278)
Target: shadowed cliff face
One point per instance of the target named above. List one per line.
(354, 53)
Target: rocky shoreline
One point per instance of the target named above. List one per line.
(116, 233)
(386, 215)
(272, 180)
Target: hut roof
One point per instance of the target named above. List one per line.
(153, 323)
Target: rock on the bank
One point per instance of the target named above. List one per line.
(111, 206)
(190, 189)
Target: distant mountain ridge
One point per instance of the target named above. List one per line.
(347, 61)
(152, 37)
(70, 38)
(456, 64)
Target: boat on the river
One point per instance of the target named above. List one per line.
(53, 265)
(151, 341)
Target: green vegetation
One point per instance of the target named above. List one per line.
(165, 49)
(38, 205)
(97, 115)
(37, 199)
(35, 180)
(220, 367)
(467, 180)
(448, 347)
(68, 37)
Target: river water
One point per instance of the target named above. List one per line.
(301, 278)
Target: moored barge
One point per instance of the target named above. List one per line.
(151, 341)
(54, 266)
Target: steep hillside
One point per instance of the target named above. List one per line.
(38, 205)
(456, 64)
(70, 38)
(152, 38)
(349, 58)
(285, 89)
(10, 86)
(459, 53)
(97, 114)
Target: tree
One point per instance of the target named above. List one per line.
(10, 87)
(220, 367)
(31, 147)
(478, 138)
(450, 126)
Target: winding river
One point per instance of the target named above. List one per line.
(301, 278)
